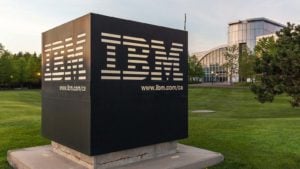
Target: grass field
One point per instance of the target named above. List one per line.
(20, 117)
(250, 135)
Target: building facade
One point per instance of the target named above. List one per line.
(240, 33)
(212, 62)
(246, 31)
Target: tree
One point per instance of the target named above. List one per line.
(6, 70)
(21, 69)
(246, 64)
(32, 70)
(21, 74)
(2, 50)
(195, 69)
(231, 56)
(278, 63)
(265, 46)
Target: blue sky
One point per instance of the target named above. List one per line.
(22, 22)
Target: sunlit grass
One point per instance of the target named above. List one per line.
(20, 118)
(250, 135)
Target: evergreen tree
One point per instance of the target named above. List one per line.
(278, 64)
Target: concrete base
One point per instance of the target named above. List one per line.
(118, 158)
(43, 157)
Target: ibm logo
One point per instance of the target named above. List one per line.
(167, 65)
(57, 68)
(64, 59)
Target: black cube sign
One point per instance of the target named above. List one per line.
(111, 84)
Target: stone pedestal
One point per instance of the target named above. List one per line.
(160, 156)
(118, 158)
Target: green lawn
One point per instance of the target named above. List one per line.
(250, 135)
(20, 117)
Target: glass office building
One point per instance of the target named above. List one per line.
(212, 62)
(240, 33)
(246, 31)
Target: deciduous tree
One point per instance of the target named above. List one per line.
(6, 69)
(2, 50)
(195, 69)
(231, 56)
(246, 63)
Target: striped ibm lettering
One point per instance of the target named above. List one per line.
(64, 59)
(167, 65)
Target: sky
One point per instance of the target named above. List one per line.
(22, 22)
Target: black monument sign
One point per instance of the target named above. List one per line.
(111, 84)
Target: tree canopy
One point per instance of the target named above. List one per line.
(2, 50)
(278, 65)
(231, 56)
(246, 63)
(19, 70)
(195, 69)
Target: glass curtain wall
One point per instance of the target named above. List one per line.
(212, 63)
(240, 33)
(247, 31)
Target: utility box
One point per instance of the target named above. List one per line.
(111, 84)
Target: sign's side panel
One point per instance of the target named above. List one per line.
(139, 89)
(66, 84)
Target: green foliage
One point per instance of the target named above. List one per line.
(265, 46)
(246, 64)
(278, 64)
(231, 56)
(2, 50)
(195, 69)
(19, 70)
(6, 69)
(32, 69)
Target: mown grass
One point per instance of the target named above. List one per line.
(20, 117)
(250, 135)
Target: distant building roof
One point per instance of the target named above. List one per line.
(258, 19)
(200, 55)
